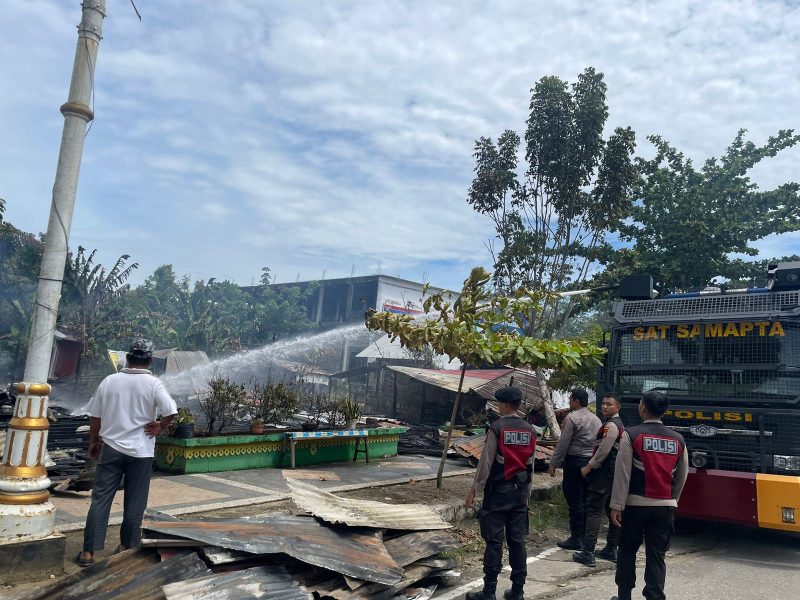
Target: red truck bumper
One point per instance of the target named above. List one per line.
(771, 501)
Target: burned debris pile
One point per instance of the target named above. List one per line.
(337, 548)
(418, 439)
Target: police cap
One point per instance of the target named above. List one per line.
(509, 394)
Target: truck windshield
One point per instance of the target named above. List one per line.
(744, 359)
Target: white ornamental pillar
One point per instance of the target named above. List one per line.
(25, 510)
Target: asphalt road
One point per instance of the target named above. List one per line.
(706, 562)
(721, 563)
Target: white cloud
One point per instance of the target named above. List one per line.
(244, 133)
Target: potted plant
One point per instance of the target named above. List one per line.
(274, 402)
(184, 424)
(257, 426)
(351, 412)
(315, 407)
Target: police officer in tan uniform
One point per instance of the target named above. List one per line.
(574, 450)
(599, 473)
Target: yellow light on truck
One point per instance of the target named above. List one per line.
(788, 514)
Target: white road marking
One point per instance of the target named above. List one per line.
(463, 589)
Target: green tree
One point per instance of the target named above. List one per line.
(747, 274)
(475, 329)
(215, 316)
(20, 257)
(277, 313)
(577, 186)
(689, 222)
(91, 295)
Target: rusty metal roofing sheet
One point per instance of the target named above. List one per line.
(363, 513)
(258, 583)
(344, 551)
(409, 548)
(220, 556)
(526, 381)
(413, 548)
(472, 447)
(375, 591)
(448, 380)
(131, 575)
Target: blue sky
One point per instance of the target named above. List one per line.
(312, 137)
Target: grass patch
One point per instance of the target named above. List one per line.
(468, 549)
(549, 515)
(471, 543)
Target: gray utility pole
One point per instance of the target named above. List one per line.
(77, 114)
(27, 517)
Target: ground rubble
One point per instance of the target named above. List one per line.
(335, 547)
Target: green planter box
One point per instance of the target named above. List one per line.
(235, 452)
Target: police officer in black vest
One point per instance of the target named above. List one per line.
(599, 473)
(651, 469)
(504, 476)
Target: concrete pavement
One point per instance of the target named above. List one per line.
(203, 492)
(711, 562)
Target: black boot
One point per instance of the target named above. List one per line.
(488, 591)
(482, 595)
(515, 593)
(585, 558)
(571, 543)
(607, 553)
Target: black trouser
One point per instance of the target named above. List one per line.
(111, 468)
(574, 486)
(504, 514)
(598, 494)
(654, 524)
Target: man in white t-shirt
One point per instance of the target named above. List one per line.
(124, 413)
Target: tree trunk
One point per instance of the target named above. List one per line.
(450, 429)
(547, 405)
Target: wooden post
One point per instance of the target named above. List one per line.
(452, 425)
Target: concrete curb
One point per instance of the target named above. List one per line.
(453, 513)
(546, 492)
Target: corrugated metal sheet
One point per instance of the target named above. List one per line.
(409, 548)
(412, 549)
(179, 361)
(130, 575)
(220, 556)
(258, 583)
(448, 380)
(472, 447)
(525, 380)
(363, 513)
(374, 591)
(341, 550)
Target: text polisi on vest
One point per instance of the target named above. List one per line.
(516, 438)
(659, 445)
